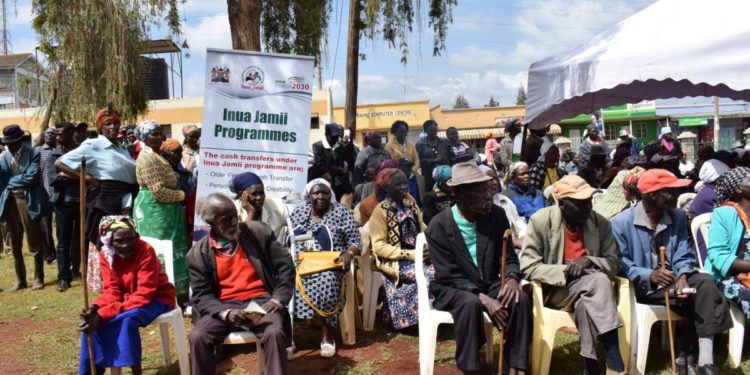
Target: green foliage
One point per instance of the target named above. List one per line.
(295, 26)
(93, 48)
(461, 102)
(394, 19)
(521, 96)
(492, 103)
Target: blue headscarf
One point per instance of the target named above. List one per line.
(144, 129)
(242, 181)
(441, 173)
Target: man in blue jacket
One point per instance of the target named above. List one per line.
(22, 203)
(639, 233)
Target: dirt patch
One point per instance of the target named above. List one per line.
(13, 345)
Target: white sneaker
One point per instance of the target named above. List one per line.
(327, 350)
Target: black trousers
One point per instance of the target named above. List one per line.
(49, 241)
(707, 311)
(210, 331)
(68, 240)
(468, 324)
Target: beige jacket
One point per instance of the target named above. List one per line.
(543, 247)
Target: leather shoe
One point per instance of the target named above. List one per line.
(62, 286)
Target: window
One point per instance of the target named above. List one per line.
(640, 130)
(611, 131)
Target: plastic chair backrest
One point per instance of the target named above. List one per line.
(163, 250)
(422, 293)
(700, 225)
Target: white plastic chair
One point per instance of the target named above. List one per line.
(163, 249)
(430, 319)
(373, 281)
(700, 225)
(644, 317)
(547, 321)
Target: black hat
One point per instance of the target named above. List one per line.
(405, 163)
(12, 133)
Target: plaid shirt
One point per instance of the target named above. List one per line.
(537, 174)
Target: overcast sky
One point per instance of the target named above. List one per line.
(490, 46)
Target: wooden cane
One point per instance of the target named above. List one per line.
(84, 250)
(662, 256)
(508, 233)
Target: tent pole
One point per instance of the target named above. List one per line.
(716, 123)
(523, 142)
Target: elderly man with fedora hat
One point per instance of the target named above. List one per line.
(465, 245)
(569, 248)
(23, 201)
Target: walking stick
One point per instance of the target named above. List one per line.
(662, 257)
(504, 256)
(84, 250)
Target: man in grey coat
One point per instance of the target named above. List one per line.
(570, 250)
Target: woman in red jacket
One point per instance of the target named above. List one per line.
(136, 291)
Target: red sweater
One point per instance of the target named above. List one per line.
(133, 282)
(237, 277)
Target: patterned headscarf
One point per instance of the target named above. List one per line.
(727, 184)
(383, 177)
(630, 182)
(106, 115)
(169, 145)
(109, 225)
(441, 174)
(388, 163)
(144, 129)
(369, 135)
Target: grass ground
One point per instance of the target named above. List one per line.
(38, 336)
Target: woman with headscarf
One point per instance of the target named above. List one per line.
(705, 199)
(546, 170)
(192, 134)
(136, 291)
(171, 149)
(372, 155)
(332, 228)
(620, 194)
(394, 226)
(110, 178)
(251, 203)
(158, 212)
(440, 197)
(528, 200)
(728, 259)
(368, 205)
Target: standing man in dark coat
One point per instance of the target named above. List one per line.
(327, 155)
(465, 245)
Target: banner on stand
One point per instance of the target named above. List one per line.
(256, 118)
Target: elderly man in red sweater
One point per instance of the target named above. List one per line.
(235, 265)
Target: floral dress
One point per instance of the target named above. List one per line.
(732, 288)
(335, 231)
(401, 302)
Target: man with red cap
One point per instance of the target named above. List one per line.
(639, 233)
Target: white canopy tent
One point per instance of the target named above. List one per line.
(673, 48)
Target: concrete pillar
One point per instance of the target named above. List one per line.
(687, 140)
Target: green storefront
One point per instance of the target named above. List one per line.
(643, 123)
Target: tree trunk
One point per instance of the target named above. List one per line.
(48, 111)
(352, 68)
(244, 23)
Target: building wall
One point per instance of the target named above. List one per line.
(380, 117)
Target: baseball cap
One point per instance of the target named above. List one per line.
(572, 186)
(657, 179)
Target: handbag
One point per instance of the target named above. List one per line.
(312, 262)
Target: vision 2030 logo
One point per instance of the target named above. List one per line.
(220, 75)
(295, 83)
(252, 78)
